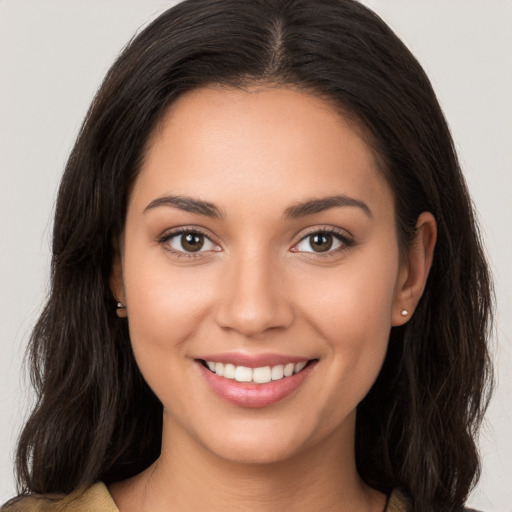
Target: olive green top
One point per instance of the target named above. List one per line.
(97, 499)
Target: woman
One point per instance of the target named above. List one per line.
(268, 289)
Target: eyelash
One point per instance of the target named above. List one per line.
(346, 241)
(164, 240)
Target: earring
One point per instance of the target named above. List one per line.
(121, 310)
(404, 312)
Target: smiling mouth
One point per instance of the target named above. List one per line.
(260, 375)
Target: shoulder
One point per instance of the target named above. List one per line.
(96, 498)
(399, 502)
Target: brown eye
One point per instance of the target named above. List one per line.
(192, 242)
(320, 242)
(189, 242)
(323, 242)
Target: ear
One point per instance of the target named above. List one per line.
(414, 270)
(116, 283)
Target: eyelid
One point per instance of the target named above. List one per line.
(345, 238)
(171, 233)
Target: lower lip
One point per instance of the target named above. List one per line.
(246, 394)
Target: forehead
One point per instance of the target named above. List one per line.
(260, 143)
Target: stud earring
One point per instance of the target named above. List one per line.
(121, 310)
(404, 312)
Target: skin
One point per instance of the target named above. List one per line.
(259, 286)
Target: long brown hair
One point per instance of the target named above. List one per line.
(95, 417)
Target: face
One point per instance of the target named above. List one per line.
(260, 241)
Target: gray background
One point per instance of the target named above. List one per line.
(53, 55)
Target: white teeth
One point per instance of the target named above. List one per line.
(288, 369)
(277, 372)
(229, 371)
(298, 367)
(243, 374)
(260, 375)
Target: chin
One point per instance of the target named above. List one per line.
(263, 442)
(256, 451)
(246, 439)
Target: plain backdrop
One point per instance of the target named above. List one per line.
(53, 56)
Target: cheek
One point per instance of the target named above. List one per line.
(166, 304)
(353, 317)
(353, 301)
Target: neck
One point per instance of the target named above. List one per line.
(187, 476)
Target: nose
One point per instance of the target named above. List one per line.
(254, 296)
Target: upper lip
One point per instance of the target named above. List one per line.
(253, 360)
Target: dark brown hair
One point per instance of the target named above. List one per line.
(95, 417)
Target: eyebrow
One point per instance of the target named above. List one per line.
(313, 206)
(188, 204)
(309, 207)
